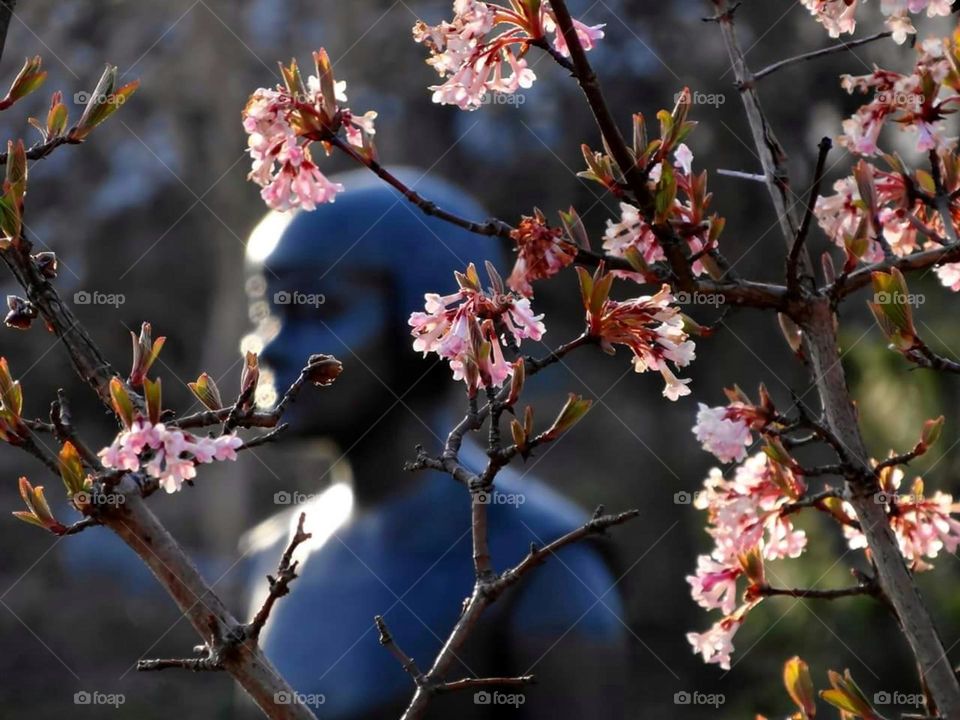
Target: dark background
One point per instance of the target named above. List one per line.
(156, 207)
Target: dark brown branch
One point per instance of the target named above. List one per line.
(386, 639)
(201, 664)
(793, 279)
(915, 261)
(40, 150)
(490, 228)
(590, 85)
(485, 592)
(61, 422)
(279, 585)
(87, 360)
(266, 438)
(6, 14)
(902, 459)
(839, 47)
(470, 683)
(80, 526)
(244, 414)
(814, 594)
(224, 637)
(817, 319)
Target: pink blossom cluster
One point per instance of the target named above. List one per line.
(899, 213)
(842, 214)
(541, 253)
(282, 163)
(654, 332)
(916, 102)
(482, 49)
(839, 16)
(924, 526)
(723, 431)
(746, 516)
(634, 232)
(470, 327)
(167, 454)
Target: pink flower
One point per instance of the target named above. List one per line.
(651, 329)
(924, 526)
(541, 253)
(838, 16)
(469, 327)
(226, 447)
(586, 34)
(716, 644)
(282, 124)
(715, 585)
(949, 275)
(169, 455)
(916, 102)
(634, 232)
(722, 433)
(842, 215)
(481, 50)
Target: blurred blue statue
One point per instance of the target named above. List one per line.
(343, 280)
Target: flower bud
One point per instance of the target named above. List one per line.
(322, 370)
(22, 313)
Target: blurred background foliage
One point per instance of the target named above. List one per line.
(155, 206)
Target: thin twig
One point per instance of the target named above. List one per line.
(279, 585)
(754, 177)
(839, 47)
(814, 594)
(6, 13)
(793, 280)
(386, 639)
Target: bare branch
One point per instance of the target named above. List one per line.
(485, 592)
(279, 585)
(386, 639)
(796, 249)
(814, 594)
(470, 683)
(839, 47)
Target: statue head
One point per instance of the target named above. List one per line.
(342, 280)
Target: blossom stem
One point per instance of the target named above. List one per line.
(490, 228)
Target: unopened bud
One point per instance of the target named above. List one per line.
(322, 370)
